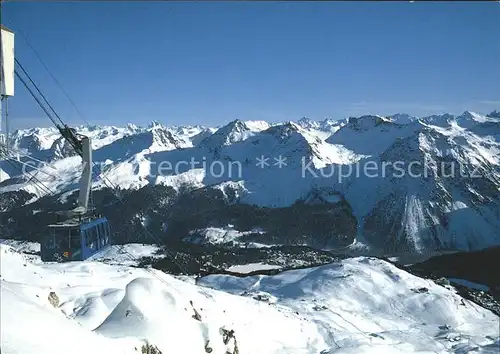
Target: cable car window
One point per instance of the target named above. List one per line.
(92, 237)
(61, 236)
(88, 237)
(96, 237)
(75, 239)
(98, 234)
(101, 231)
(88, 233)
(50, 242)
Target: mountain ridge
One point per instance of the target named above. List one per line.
(280, 164)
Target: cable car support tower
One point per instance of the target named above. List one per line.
(78, 233)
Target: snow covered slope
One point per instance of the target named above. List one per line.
(452, 204)
(360, 305)
(322, 129)
(3, 175)
(371, 135)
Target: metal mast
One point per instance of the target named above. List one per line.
(6, 76)
(6, 81)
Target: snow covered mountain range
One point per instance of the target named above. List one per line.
(391, 184)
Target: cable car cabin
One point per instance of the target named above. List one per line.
(73, 240)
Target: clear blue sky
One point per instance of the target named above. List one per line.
(209, 63)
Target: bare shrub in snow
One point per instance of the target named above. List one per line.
(150, 349)
(53, 299)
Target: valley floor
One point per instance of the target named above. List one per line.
(359, 305)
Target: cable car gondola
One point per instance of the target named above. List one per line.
(81, 234)
(75, 240)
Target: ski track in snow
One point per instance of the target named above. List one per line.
(360, 305)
